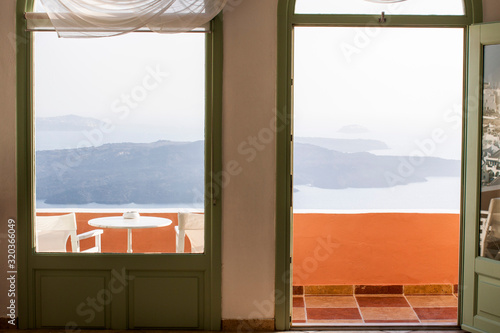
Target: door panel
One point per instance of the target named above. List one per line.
(73, 298)
(179, 295)
(488, 306)
(481, 274)
(118, 290)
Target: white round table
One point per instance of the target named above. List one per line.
(118, 222)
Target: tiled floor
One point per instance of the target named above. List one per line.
(375, 309)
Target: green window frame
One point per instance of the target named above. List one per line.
(287, 20)
(208, 263)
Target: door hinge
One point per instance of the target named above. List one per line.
(291, 190)
(291, 81)
(290, 260)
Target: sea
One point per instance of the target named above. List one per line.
(92, 207)
(436, 195)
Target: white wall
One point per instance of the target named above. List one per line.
(248, 203)
(7, 136)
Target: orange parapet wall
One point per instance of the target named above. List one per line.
(155, 240)
(375, 249)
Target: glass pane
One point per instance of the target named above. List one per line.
(381, 109)
(119, 127)
(490, 162)
(404, 7)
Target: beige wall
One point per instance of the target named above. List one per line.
(248, 202)
(7, 136)
(248, 151)
(491, 10)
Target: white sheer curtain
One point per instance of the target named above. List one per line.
(102, 18)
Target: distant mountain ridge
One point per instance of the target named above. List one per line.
(67, 123)
(159, 172)
(344, 145)
(173, 172)
(329, 169)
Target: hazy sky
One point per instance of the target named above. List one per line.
(400, 84)
(416, 7)
(142, 80)
(492, 64)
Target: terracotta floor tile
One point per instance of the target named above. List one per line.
(298, 302)
(298, 290)
(429, 289)
(336, 321)
(362, 289)
(382, 301)
(432, 301)
(329, 290)
(298, 314)
(298, 321)
(436, 313)
(440, 322)
(330, 302)
(385, 313)
(429, 295)
(391, 321)
(332, 313)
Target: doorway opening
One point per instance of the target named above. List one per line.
(377, 149)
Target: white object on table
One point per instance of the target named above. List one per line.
(131, 215)
(118, 222)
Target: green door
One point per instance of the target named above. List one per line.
(114, 289)
(481, 238)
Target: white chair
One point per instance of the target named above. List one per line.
(52, 233)
(482, 225)
(490, 231)
(191, 225)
